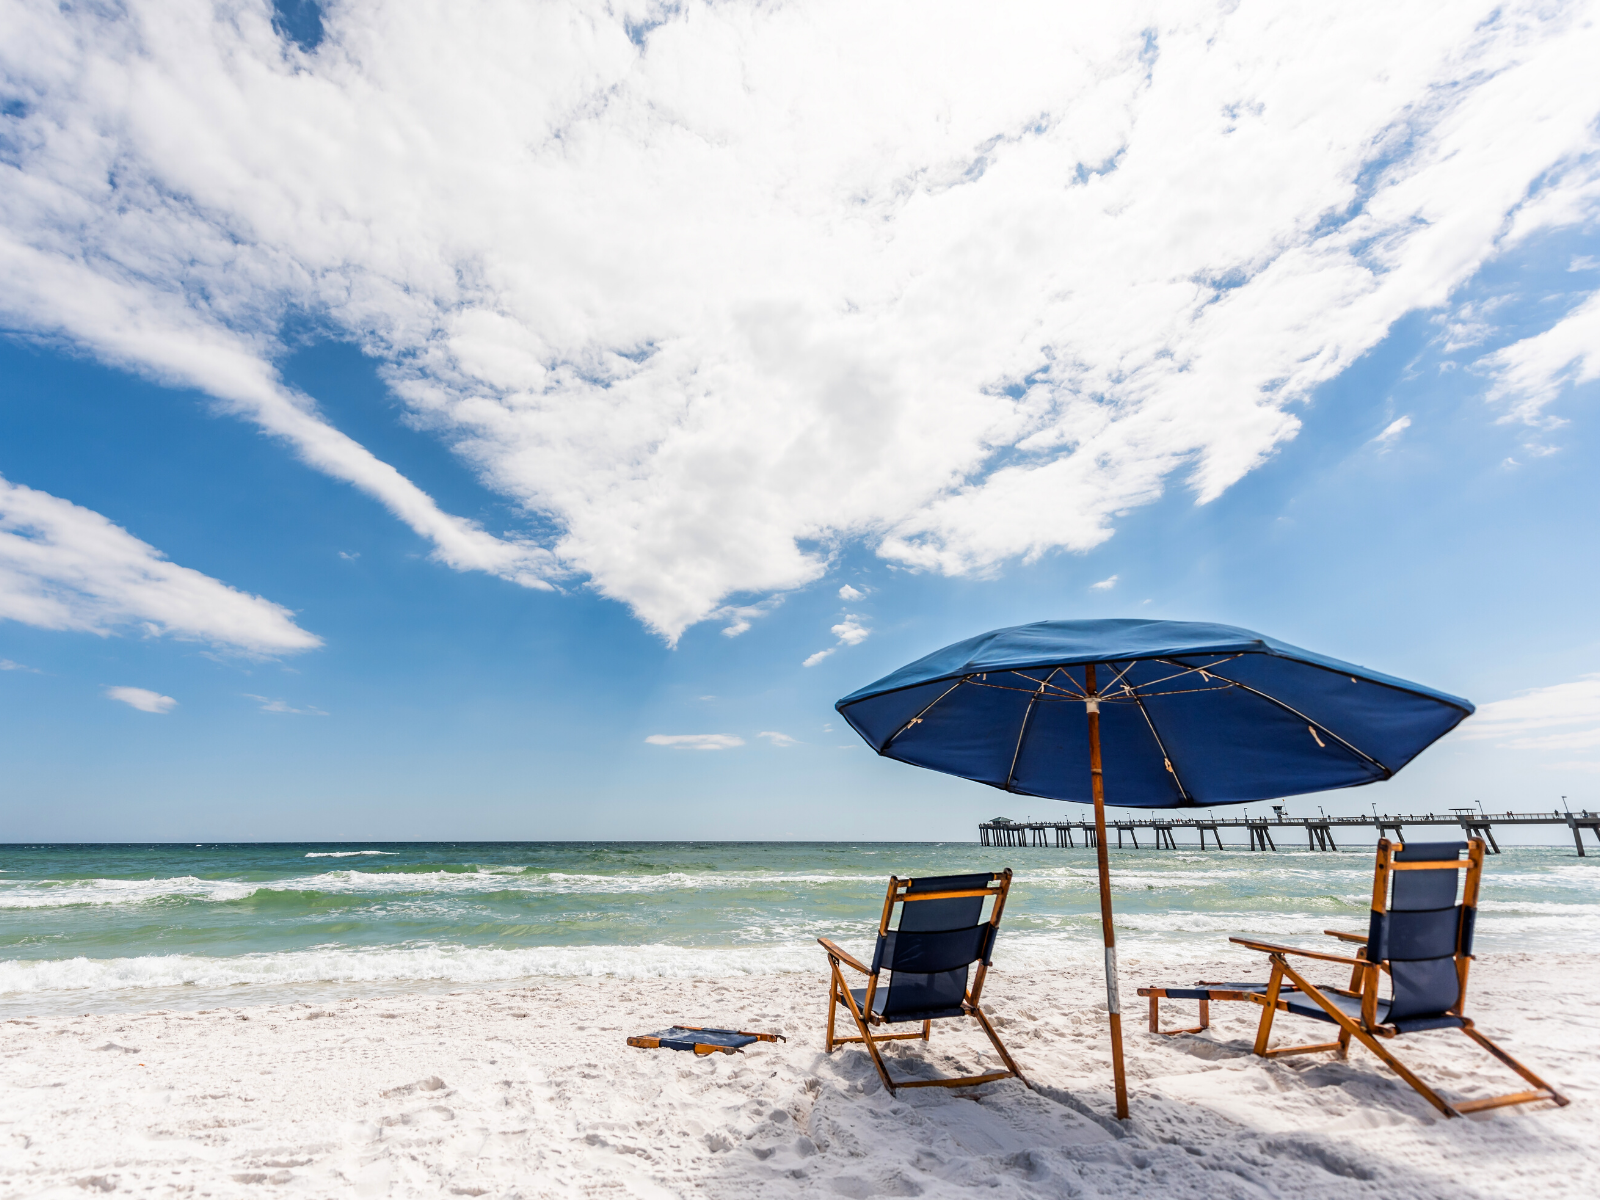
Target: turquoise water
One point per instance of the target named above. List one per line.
(87, 928)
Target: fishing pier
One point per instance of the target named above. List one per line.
(1265, 832)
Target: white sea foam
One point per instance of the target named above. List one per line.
(346, 853)
(1350, 886)
(256, 975)
(54, 894)
(48, 893)
(418, 962)
(1157, 939)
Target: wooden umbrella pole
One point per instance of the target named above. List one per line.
(1098, 786)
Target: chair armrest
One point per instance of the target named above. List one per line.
(1274, 948)
(842, 956)
(1359, 938)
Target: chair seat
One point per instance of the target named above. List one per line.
(931, 1014)
(1304, 1006)
(1206, 991)
(1351, 1007)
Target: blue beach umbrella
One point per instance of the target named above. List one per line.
(1154, 714)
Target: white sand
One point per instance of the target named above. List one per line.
(533, 1092)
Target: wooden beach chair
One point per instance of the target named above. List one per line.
(929, 954)
(1419, 935)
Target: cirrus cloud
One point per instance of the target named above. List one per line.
(1530, 373)
(695, 741)
(269, 705)
(69, 568)
(1563, 716)
(142, 699)
(708, 300)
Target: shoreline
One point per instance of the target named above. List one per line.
(531, 1091)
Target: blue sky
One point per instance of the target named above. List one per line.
(1360, 418)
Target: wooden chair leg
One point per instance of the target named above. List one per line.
(872, 1045)
(927, 1027)
(1155, 1018)
(1520, 1097)
(1366, 1039)
(1000, 1047)
(1270, 1010)
(833, 1004)
(877, 1059)
(1344, 1043)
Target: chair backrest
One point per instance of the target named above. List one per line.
(1423, 913)
(940, 934)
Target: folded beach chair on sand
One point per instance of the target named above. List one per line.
(1419, 935)
(701, 1040)
(928, 955)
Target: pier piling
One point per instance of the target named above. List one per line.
(1319, 831)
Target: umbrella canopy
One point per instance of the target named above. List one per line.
(1155, 714)
(1190, 714)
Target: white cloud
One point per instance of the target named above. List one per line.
(777, 739)
(784, 276)
(850, 631)
(66, 567)
(1531, 373)
(1584, 262)
(270, 705)
(7, 665)
(154, 333)
(695, 741)
(143, 699)
(350, 556)
(739, 617)
(1565, 716)
(849, 593)
(1391, 432)
(1105, 585)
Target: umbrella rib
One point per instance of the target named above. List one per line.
(923, 713)
(1356, 750)
(1187, 670)
(1118, 678)
(1183, 792)
(1022, 732)
(1002, 687)
(1226, 684)
(1044, 684)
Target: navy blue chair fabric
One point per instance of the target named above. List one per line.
(929, 957)
(1419, 937)
(1205, 993)
(679, 1038)
(701, 1041)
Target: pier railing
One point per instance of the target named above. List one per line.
(1264, 832)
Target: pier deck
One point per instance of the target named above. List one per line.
(1265, 832)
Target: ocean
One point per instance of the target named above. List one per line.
(98, 928)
